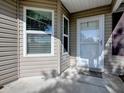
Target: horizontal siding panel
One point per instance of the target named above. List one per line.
(8, 62)
(8, 45)
(8, 5)
(64, 67)
(8, 71)
(6, 13)
(7, 17)
(7, 49)
(7, 9)
(4, 21)
(28, 74)
(35, 4)
(8, 35)
(38, 71)
(37, 63)
(108, 19)
(108, 24)
(8, 53)
(8, 31)
(8, 41)
(8, 26)
(8, 75)
(44, 2)
(38, 59)
(11, 2)
(108, 29)
(8, 66)
(65, 59)
(38, 66)
(7, 58)
(8, 80)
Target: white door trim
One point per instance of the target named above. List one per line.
(101, 19)
(117, 4)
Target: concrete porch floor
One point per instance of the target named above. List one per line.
(69, 82)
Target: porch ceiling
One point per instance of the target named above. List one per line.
(80, 5)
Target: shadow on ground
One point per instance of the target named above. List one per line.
(68, 82)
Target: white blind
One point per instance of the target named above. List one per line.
(38, 43)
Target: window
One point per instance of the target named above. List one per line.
(65, 34)
(38, 31)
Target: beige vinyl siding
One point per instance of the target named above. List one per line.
(33, 66)
(8, 41)
(65, 62)
(113, 4)
(108, 41)
(106, 10)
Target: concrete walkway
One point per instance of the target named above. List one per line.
(69, 82)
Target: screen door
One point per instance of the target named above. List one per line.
(90, 43)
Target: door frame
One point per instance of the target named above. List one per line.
(101, 19)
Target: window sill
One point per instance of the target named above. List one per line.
(38, 55)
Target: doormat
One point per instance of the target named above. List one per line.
(122, 77)
(91, 73)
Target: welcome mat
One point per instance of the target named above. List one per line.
(91, 73)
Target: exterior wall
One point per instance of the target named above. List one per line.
(8, 41)
(65, 62)
(106, 10)
(117, 62)
(33, 66)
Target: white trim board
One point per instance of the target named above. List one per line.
(118, 2)
(65, 35)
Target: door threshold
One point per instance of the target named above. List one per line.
(93, 73)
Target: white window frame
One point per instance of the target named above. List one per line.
(25, 32)
(64, 35)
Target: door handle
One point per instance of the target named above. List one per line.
(101, 42)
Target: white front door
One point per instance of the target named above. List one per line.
(90, 42)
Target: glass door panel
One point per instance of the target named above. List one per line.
(89, 44)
